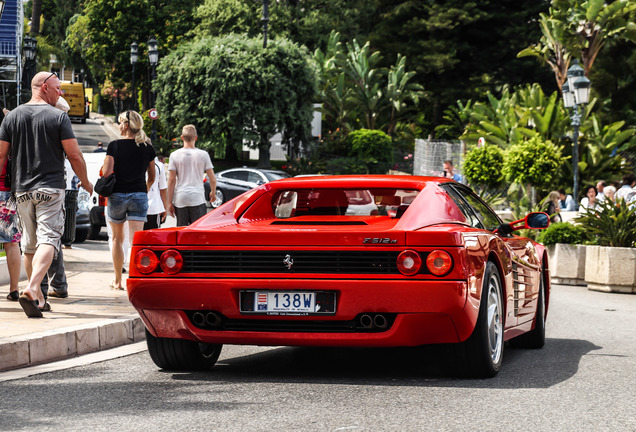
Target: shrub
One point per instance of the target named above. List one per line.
(374, 147)
(535, 162)
(482, 166)
(612, 224)
(563, 232)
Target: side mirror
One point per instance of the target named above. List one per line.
(538, 220)
(535, 220)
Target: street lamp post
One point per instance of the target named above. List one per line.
(576, 92)
(134, 56)
(153, 57)
(30, 49)
(265, 20)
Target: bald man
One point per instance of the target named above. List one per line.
(37, 136)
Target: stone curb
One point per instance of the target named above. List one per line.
(36, 348)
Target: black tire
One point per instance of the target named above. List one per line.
(220, 199)
(93, 231)
(535, 338)
(182, 355)
(482, 354)
(81, 236)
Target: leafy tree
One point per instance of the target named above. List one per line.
(534, 162)
(236, 92)
(573, 27)
(482, 166)
(306, 22)
(103, 32)
(356, 93)
(373, 147)
(458, 49)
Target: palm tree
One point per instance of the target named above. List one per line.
(36, 12)
(574, 27)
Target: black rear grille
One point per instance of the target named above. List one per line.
(329, 261)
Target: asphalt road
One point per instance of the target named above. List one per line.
(90, 133)
(582, 380)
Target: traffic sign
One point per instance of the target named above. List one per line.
(152, 113)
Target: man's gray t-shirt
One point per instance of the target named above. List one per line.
(36, 132)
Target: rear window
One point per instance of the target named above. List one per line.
(342, 202)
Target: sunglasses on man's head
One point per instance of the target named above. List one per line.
(47, 78)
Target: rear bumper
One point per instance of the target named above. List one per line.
(426, 312)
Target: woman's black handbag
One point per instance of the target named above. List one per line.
(105, 185)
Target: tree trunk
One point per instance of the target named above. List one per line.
(35, 17)
(263, 153)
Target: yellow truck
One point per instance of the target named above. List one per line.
(75, 95)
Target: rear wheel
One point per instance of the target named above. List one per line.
(93, 231)
(180, 354)
(481, 355)
(535, 338)
(220, 198)
(81, 235)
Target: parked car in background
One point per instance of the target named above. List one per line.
(91, 206)
(420, 260)
(233, 182)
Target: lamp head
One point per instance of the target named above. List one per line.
(134, 52)
(153, 54)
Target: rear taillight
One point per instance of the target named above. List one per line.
(439, 262)
(171, 261)
(409, 262)
(146, 261)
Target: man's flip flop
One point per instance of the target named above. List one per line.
(30, 307)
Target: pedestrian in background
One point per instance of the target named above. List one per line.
(608, 192)
(589, 201)
(157, 198)
(10, 233)
(552, 207)
(186, 193)
(100, 148)
(566, 201)
(55, 276)
(449, 171)
(37, 135)
(626, 191)
(600, 185)
(130, 158)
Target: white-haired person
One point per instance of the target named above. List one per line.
(130, 157)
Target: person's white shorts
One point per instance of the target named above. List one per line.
(42, 218)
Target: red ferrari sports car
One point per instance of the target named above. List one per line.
(355, 261)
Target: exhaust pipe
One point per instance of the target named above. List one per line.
(198, 319)
(380, 321)
(212, 319)
(366, 321)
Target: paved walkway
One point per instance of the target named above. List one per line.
(93, 317)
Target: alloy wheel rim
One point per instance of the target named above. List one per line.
(495, 325)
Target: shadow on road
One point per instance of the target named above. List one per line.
(425, 366)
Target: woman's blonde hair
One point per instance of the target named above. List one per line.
(554, 196)
(136, 126)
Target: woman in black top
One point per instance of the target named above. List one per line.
(130, 158)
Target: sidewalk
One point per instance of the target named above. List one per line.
(92, 318)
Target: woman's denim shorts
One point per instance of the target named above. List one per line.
(123, 206)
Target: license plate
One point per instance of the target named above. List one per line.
(288, 302)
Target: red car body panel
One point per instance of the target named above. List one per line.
(421, 309)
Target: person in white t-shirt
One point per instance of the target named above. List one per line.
(186, 193)
(157, 198)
